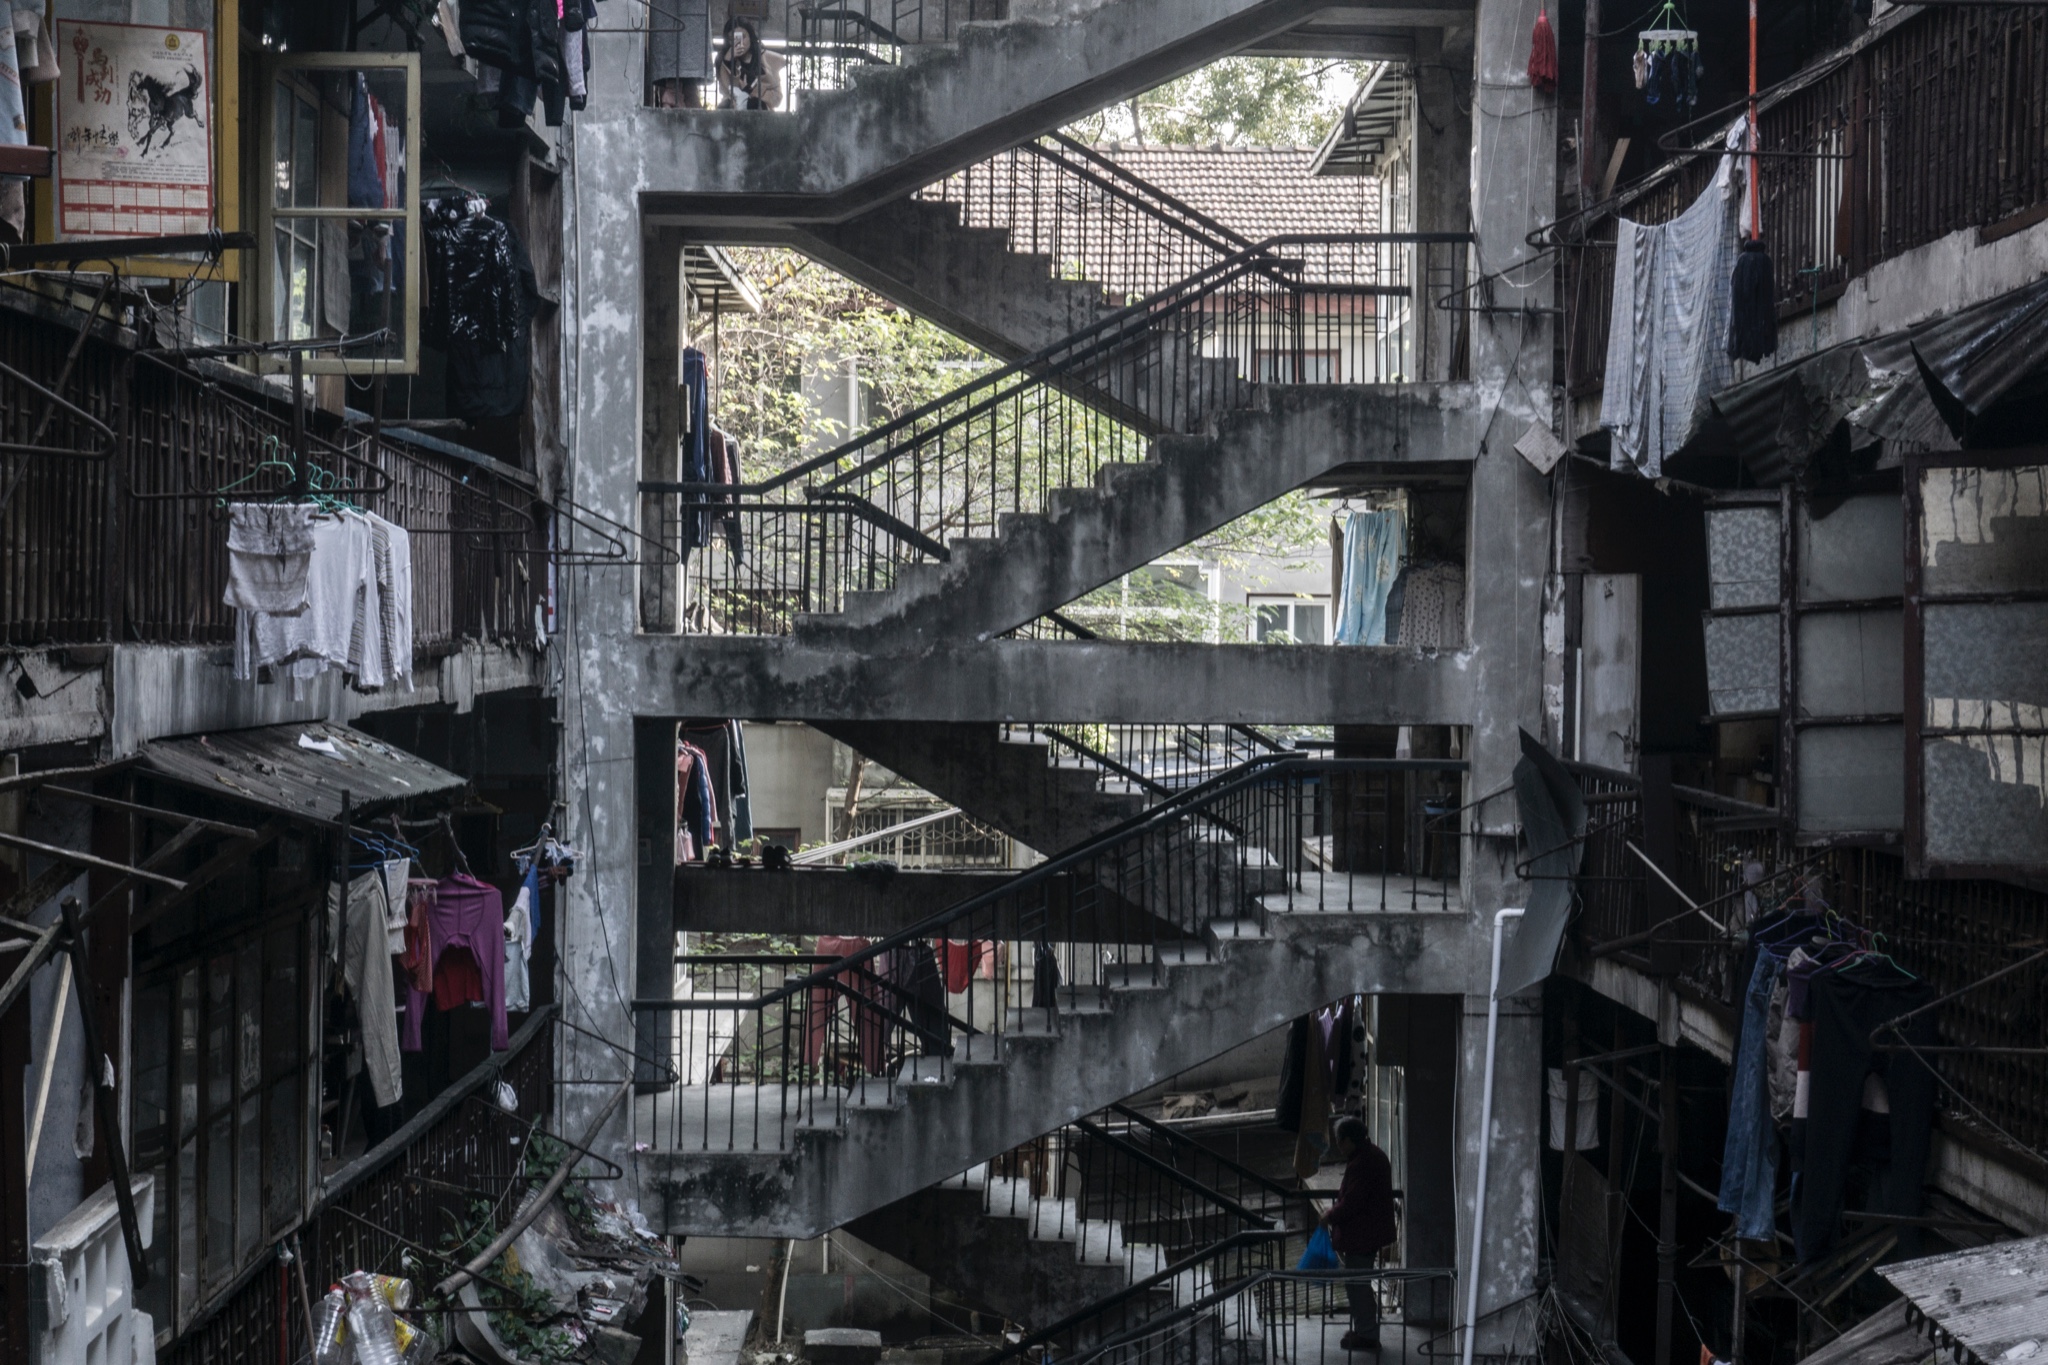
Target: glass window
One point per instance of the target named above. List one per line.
(1289, 620)
(341, 217)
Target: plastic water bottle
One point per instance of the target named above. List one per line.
(330, 1333)
(369, 1322)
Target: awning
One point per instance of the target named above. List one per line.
(1982, 1305)
(1370, 130)
(303, 771)
(1927, 388)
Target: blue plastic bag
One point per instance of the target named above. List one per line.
(1320, 1255)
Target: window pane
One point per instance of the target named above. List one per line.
(1308, 623)
(220, 1025)
(151, 1111)
(1272, 621)
(218, 1200)
(188, 1052)
(281, 1147)
(186, 1200)
(249, 1008)
(281, 175)
(281, 1006)
(249, 1179)
(305, 153)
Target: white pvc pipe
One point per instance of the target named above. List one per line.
(1500, 919)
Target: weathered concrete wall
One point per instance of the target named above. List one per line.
(128, 695)
(789, 768)
(1022, 680)
(808, 901)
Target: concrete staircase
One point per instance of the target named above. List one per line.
(897, 127)
(1031, 1259)
(1045, 799)
(773, 1161)
(968, 280)
(1135, 513)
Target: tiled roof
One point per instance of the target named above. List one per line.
(1255, 191)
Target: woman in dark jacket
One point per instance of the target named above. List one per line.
(1361, 1223)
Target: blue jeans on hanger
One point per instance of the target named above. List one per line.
(1749, 1160)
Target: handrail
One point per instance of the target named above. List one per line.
(1116, 177)
(1179, 1177)
(1246, 774)
(1272, 1186)
(1131, 1291)
(1060, 355)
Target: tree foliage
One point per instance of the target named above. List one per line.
(1237, 102)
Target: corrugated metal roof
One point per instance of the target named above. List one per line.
(1990, 1301)
(298, 770)
(1915, 390)
(1371, 129)
(1886, 1337)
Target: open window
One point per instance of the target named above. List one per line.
(337, 214)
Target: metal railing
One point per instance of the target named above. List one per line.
(131, 545)
(1735, 860)
(1937, 123)
(1239, 1302)
(1332, 308)
(1130, 1190)
(798, 1042)
(1090, 217)
(827, 42)
(1155, 759)
(402, 1196)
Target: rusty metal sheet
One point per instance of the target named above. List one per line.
(299, 770)
(1988, 1300)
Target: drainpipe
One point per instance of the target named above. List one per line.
(1500, 920)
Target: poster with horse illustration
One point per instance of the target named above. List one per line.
(134, 131)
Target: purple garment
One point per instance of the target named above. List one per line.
(1799, 974)
(467, 914)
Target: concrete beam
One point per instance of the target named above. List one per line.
(809, 901)
(791, 678)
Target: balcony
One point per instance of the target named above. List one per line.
(116, 528)
(1934, 121)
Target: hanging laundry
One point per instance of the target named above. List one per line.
(696, 443)
(356, 612)
(1749, 1156)
(961, 961)
(418, 960)
(1432, 609)
(696, 810)
(741, 797)
(1665, 354)
(269, 547)
(1045, 977)
(481, 300)
(467, 923)
(396, 873)
(1374, 545)
(366, 969)
(518, 953)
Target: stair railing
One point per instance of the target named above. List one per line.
(1238, 1302)
(1093, 219)
(1308, 308)
(1278, 834)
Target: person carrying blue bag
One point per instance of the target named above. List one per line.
(1358, 1226)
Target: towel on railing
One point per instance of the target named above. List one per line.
(269, 545)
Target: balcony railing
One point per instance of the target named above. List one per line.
(1952, 933)
(398, 1200)
(126, 539)
(1934, 124)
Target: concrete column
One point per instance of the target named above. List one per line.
(604, 290)
(654, 974)
(1442, 192)
(1429, 1115)
(1507, 1269)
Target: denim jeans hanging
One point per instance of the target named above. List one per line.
(1749, 1161)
